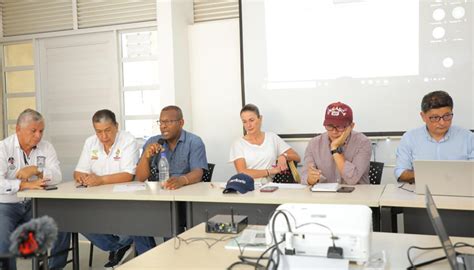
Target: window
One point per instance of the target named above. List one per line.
(19, 74)
(140, 85)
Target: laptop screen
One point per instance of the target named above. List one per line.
(440, 230)
(445, 177)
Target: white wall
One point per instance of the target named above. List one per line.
(173, 18)
(215, 90)
(216, 97)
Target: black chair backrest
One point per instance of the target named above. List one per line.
(375, 172)
(207, 174)
(5, 261)
(287, 176)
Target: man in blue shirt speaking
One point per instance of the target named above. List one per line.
(186, 155)
(185, 152)
(437, 140)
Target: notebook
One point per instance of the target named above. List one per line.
(445, 177)
(325, 187)
(457, 261)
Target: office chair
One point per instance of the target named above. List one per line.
(91, 254)
(5, 261)
(289, 176)
(375, 172)
(207, 174)
(74, 248)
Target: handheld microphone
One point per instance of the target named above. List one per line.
(161, 141)
(34, 237)
(154, 161)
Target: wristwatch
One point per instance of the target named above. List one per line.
(338, 150)
(285, 155)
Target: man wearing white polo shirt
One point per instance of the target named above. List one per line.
(108, 157)
(19, 156)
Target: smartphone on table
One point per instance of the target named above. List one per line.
(346, 189)
(50, 187)
(268, 189)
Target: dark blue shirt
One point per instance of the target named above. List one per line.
(189, 154)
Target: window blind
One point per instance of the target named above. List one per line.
(92, 13)
(26, 17)
(215, 10)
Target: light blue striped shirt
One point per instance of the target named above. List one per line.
(417, 144)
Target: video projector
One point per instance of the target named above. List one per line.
(351, 226)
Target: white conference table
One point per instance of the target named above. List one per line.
(149, 212)
(457, 212)
(155, 211)
(197, 255)
(205, 200)
(101, 210)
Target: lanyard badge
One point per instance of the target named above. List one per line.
(11, 163)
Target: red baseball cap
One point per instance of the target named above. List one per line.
(338, 114)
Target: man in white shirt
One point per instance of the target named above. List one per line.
(108, 157)
(19, 155)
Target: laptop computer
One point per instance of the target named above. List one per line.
(445, 177)
(457, 261)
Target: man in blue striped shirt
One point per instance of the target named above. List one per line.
(437, 140)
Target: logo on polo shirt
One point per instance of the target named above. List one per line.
(95, 154)
(11, 163)
(117, 155)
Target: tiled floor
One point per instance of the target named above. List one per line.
(100, 258)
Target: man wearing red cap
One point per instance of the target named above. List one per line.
(340, 154)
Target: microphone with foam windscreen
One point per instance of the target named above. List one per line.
(34, 237)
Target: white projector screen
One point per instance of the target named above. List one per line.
(379, 56)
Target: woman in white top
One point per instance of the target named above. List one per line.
(257, 152)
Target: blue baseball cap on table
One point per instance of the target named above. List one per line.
(241, 183)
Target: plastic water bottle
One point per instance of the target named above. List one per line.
(163, 168)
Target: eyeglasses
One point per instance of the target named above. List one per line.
(339, 128)
(446, 117)
(166, 122)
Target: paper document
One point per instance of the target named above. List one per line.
(325, 187)
(287, 186)
(250, 239)
(130, 187)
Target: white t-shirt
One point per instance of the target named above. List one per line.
(123, 156)
(259, 157)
